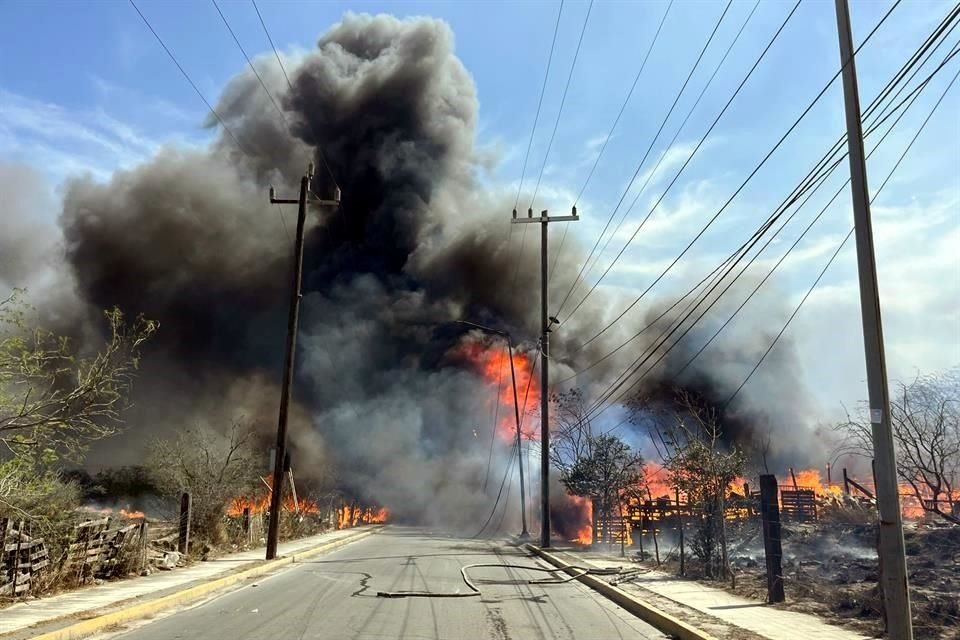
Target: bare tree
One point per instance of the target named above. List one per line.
(213, 467)
(572, 434)
(925, 418)
(54, 400)
(689, 438)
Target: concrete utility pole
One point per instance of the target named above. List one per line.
(516, 412)
(280, 455)
(545, 322)
(893, 563)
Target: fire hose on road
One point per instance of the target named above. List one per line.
(475, 592)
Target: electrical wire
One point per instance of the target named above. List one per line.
(673, 141)
(912, 66)
(496, 416)
(316, 138)
(840, 247)
(543, 90)
(623, 106)
(756, 169)
(563, 100)
(646, 356)
(914, 93)
(799, 238)
(646, 154)
(196, 89)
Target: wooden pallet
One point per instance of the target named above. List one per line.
(798, 504)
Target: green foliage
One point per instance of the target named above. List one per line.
(603, 474)
(30, 490)
(53, 401)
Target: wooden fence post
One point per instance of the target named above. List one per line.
(16, 560)
(773, 550)
(183, 540)
(680, 529)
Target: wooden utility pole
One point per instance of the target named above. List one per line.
(276, 489)
(893, 562)
(772, 545)
(545, 323)
(183, 531)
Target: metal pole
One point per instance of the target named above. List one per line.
(276, 488)
(544, 394)
(516, 410)
(893, 563)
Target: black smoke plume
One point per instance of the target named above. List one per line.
(384, 109)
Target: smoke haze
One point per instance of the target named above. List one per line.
(189, 239)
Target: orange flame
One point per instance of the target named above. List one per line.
(585, 532)
(910, 506)
(493, 363)
(132, 515)
(353, 515)
(255, 505)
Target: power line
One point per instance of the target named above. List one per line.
(607, 394)
(923, 51)
(603, 147)
(563, 100)
(645, 356)
(263, 85)
(839, 191)
(533, 130)
(543, 89)
(676, 135)
(687, 162)
(646, 154)
(623, 106)
(756, 169)
(684, 317)
(839, 248)
(196, 89)
(316, 138)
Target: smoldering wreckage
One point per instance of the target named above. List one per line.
(391, 393)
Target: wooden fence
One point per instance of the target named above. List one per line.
(95, 550)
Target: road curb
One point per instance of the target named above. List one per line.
(649, 614)
(99, 623)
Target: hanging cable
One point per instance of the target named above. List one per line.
(646, 154)
(793, 315)
(647, 354)
(563, 100)
(756, 169)
(653, 350)
(196, 89)
(316, 138)
(536, 118)
(669, 147)
(912, 66)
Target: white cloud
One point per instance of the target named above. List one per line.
(61, 142)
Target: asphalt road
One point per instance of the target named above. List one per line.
(334, 597)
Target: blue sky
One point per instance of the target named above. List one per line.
(84, 87)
